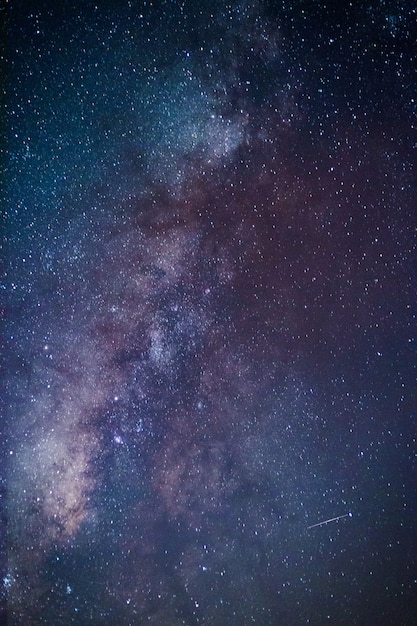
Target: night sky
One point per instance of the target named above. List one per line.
(209, 304)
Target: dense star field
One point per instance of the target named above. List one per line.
(210, 314)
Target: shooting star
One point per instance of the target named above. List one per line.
(332, 519)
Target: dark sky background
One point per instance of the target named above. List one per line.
(210, 314)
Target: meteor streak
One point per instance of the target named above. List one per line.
(332, 519)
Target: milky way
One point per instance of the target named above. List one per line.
(210, 310)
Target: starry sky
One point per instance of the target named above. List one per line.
(209, 306)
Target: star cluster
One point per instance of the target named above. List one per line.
(210, 314)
